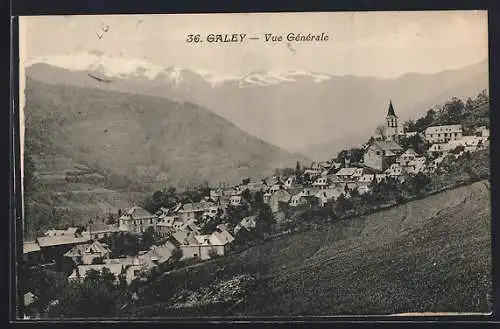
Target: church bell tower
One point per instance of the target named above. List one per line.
(391, 120)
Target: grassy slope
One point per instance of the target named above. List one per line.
(428, 255)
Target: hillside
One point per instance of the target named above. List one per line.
(85, 144)
(429, 255)
(274, 106)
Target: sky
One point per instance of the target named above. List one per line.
(381, 44)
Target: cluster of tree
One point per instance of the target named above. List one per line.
(415, 142)
(126, 244)
(354, 155)
(99, 294)
(471, 114)
(169, 197)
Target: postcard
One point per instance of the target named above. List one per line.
(255, 165)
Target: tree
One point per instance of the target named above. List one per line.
(148, 237)
(415, 142)
(177, 254)
(452, 111)
(380, 132)
(98, 260)
(212, 253)
(297, 168)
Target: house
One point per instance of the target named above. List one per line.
(395, 170)
(366, 179)
(321, 182)
(165, 223)
(357, 174)
(407, 156)
(291, 182)
(194, 210)
(220, 241)
(345, 174)
(210, 212)
(416, 166)
(443, 134)
(190, 226)
(335, 181)
(81, 271)
(101, 230)
(187, 243)
(438, 147)
(306, 196)
(331, 194)
(236, 200)
(247, 223)
(277, 197)
(470, 143)
(177, 224)
(29, 298)
(335, 166)
(31, 252)
(71, 231)
(483, 131)
(380, 177)
(255, 186)
(434, 164)
(136, 220)
(85, 254)
(130, 268)
(217, 194)
(276, 187)
(267, 197)
(380, 155)
(61, 240)
(201, 246)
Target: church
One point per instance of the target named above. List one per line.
(380, 154)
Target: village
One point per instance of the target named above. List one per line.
(200, 231)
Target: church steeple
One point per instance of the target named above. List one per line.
(391, 112)
(392, 130)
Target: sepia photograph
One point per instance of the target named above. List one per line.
(244, 165)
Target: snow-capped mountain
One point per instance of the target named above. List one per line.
(265, 78)
(123, 67)
(291, 109)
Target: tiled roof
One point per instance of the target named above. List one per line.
(221, 238)
(346, 171)
(48, 241)
(388, 145)
(443, 129)
(138, 212)
(30, 246)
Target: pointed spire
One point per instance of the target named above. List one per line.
(391, 109)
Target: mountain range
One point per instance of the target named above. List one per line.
(316, 114)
